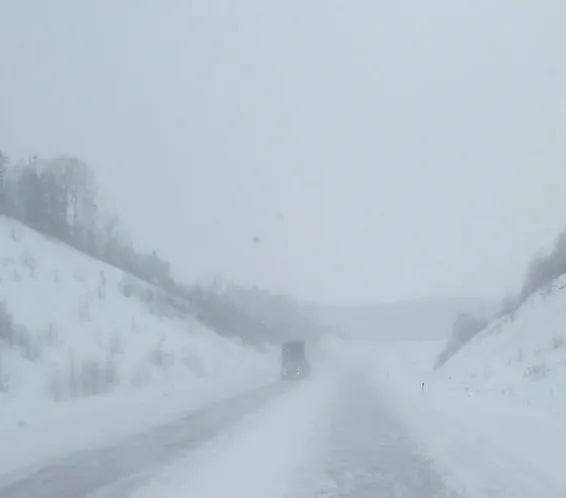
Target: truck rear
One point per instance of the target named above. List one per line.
(294, 363)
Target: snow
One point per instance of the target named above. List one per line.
(327, 436)
(521, 357)
(486, 443)
(269, 455)
(78, 334)
(492, 418)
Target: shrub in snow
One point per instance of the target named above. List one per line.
(96, 377)
(558, 342)
(111, 378)
(87, 376)
(51, 336)
(28, 344)
(101, 291)
(4, 378)
(56, 384)
(15, 232)
(18, 337)
(157, 355)
(7, 329)
(128, 285)
(30, 263)
(537, 372)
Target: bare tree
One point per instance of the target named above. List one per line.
(81, 197)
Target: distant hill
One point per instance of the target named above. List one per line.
(419, 319)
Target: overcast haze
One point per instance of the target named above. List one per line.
(381, 150)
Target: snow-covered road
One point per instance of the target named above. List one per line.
(328, 436)
(369, 454)
(363, 429)
(127, 463)
(331, 437)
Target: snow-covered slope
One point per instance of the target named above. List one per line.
(521, 356)
(82, 328)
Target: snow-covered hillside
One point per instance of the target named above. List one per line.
(72, 327)
(520, 356)
(492, 417)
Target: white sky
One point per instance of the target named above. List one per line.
(382, 149)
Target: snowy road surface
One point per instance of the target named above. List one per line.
(335, 435)
(369, 453)
(81, 474)
(330, 436)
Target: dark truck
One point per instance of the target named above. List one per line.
(294, 363)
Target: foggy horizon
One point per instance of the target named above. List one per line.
(379, 152)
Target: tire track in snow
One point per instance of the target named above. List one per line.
(370, 455)
(261, 458)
